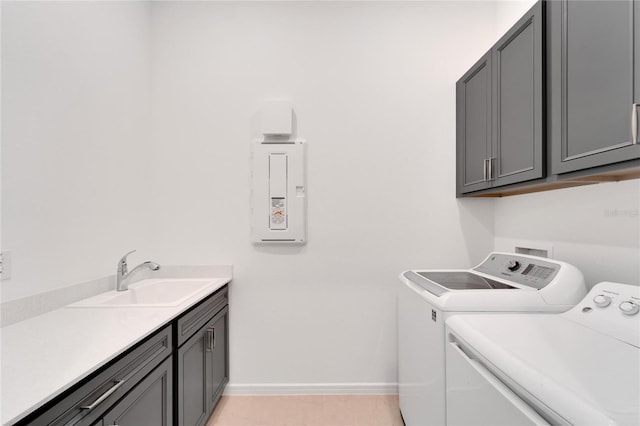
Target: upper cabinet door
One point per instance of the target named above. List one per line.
(593, 82)
(473, 126)
(518, 133)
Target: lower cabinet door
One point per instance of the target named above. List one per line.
(149, 403)
(218, 359)
(192, 380)
(203, 371)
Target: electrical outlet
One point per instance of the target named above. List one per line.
(5, 265)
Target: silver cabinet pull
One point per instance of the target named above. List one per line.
(211, 339)
(634, 123)
(484, 170)
(490, 161)
(104, 396)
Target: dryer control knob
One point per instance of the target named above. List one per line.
(602, 301)
(628, 307)
(513, 265)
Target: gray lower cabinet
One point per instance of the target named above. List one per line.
(203, 370)
(500, 106)
(148, 404)
(88, 402)
(175, 376)
(593, 55)
(218, 361)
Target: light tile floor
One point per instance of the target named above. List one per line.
(307, 410)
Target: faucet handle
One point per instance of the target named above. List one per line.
(122, 263)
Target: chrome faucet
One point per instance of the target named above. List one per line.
(123, 273)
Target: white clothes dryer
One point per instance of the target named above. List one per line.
(581, 367)
(503, 282)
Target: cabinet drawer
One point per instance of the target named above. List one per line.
(86, 404)
(193, 320)
(150, 403)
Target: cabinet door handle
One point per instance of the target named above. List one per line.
(104, 396)
(484, 170)
(634, 123)
(491, 168)
(211, 339)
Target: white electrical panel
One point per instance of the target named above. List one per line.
(279, 206)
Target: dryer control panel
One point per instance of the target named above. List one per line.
(531, 271)
(611, 308)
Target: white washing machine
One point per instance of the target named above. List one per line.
(503, 282)
(581, 367)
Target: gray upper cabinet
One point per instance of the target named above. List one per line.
(473, 126)
(593, 52)
(517, 125)
(499, 116)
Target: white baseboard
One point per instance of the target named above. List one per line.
(312, 389)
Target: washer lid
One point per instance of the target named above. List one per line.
(440, 282)
(462, 280)
(562, 367)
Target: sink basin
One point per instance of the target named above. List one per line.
(149, 293)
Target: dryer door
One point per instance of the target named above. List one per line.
(476, 397)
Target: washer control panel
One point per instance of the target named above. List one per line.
(526, 270)
(611, 308)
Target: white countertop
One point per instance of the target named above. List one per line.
(46, 355)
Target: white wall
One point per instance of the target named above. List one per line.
(508, 12)
(75, 122)
(596, 228)
(373, 89)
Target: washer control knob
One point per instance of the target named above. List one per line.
(513, 265)
(628, 307)
(602, 301)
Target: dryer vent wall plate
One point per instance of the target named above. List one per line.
(540, 248)
(534, 248)
(278, 193)
(532, 251)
